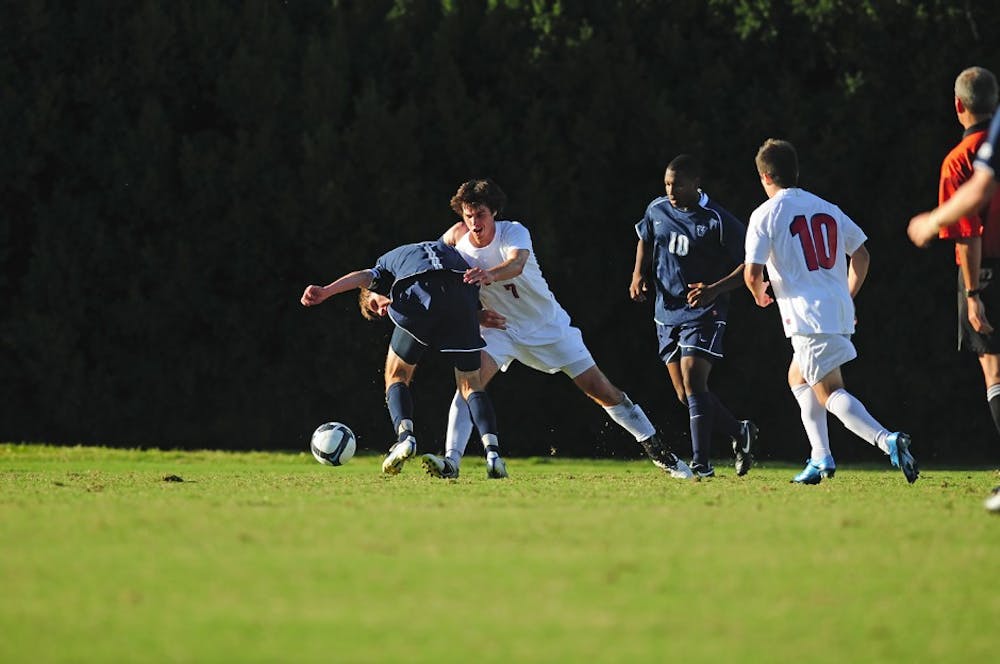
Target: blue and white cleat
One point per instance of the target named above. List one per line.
(816, 471)
(496, 469)
(899, 454)
(398, 454)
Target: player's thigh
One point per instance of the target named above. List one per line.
(695, 369)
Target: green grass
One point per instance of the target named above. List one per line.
(272, 557)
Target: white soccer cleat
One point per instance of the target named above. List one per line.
(438, 466)
(398, 454)
(993, 502)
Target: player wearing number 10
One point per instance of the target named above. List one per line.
(804, 242)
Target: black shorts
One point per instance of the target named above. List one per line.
(989, 283)
(437, 310)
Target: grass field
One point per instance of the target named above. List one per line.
(126, 555)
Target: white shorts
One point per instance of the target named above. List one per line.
(569, 354)
(819, 354)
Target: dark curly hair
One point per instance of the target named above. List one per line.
(479, 192)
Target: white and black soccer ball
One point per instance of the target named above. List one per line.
(333, 444)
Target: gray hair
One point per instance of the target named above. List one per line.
(976, 88)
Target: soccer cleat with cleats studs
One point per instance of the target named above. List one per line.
(496, 468)
(398, 454)
(816, 471)
(702, 469)
(899, 454)
(438, 466)
(743, 447)
(664, 459)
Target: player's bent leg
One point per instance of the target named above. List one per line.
(399, 401)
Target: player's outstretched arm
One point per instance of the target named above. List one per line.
(314, 295)
(972, 195)
(753, 277)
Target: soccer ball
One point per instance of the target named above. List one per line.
(333, 444)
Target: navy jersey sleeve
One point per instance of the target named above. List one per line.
(383, 274)
(734, 234)
(986, 158)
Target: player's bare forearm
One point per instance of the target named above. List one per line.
(924, 227)
(314, 294)
(753, 277)
(638, 288)
(510, 268)
(857, 270)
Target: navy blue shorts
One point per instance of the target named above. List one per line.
(437, 310)
(700, 338)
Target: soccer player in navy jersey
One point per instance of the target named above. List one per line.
(420, 288)
(690, 253)
(967, 199)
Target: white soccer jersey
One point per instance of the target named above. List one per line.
(534, 317)
(804, 241)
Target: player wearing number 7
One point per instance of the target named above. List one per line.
(805, 241)
(537, 331)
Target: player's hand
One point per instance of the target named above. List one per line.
(313, 295)
(637, 289)
(490, 318)
(762, 297)
(700, 295)
(977, 316)
(921, 230)
(478, 276)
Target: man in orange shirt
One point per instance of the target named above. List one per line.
(977, 235)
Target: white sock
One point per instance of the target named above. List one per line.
(631, 417)
(490, 445)
(459, 429)
(814, 422)
(857, 419)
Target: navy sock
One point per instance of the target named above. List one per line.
(700, 410)
(400, 404)
(483, 415)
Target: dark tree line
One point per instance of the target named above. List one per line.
(176, 173)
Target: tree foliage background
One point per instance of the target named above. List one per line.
(176, 173)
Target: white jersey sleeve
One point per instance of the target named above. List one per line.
(534, 317)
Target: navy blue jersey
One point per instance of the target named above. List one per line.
(702, 244)
(987, 156)
(412, 259)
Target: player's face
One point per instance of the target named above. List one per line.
(479, 219)
(378, 304)
(682, 191)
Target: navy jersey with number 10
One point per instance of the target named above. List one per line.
(702, 244)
